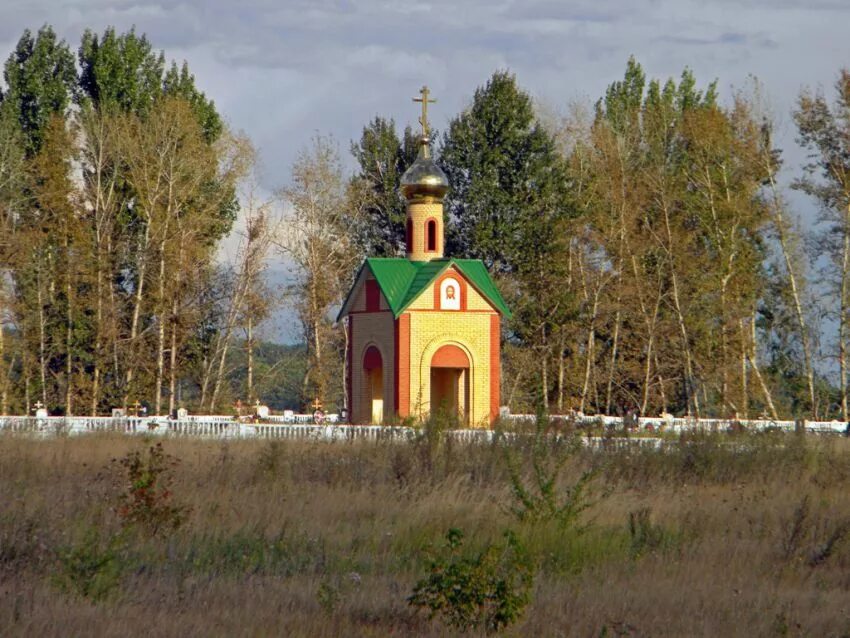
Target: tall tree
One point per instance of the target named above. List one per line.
(824, 131)
(508, 204)
(317, 238)
(382, 159)
(41, 81)
(503, 170)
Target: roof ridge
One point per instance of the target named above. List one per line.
(401, 280)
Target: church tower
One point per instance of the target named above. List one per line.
(423, 331)
(424, 186)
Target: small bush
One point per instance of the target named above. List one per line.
(536, 481)
(145, 499)
(91, 568)
(471, 591)
(646, 536)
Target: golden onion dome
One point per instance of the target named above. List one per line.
(424, 180)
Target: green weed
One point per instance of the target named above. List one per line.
(486, 590)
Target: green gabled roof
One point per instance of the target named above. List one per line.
(401, 281)
(394, 276)
(427, 272)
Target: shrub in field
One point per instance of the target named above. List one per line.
(145, 499)
(647, 536)
(486, 590)
(536, 481)
(809, 538)
(91, 568)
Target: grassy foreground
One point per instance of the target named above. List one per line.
(739, 536)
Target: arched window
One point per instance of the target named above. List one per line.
(409, 236)
(431, 234)
(372, 359)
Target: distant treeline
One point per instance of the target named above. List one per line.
(118, 181)
(642, 242)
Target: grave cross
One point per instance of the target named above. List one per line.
(317, 405)
(136, 407)
(38, 405)
(424, 92)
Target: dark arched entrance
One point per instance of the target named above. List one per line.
(373, 377)
(450, 372)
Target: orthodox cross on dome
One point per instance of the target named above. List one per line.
(424, 92)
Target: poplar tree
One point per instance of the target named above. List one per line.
(382, 157)
(508, 205)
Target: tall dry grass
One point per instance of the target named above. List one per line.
(732, 536)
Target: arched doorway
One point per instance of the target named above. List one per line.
(373, 376)
(450, 372)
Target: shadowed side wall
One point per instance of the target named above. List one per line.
(375, 328)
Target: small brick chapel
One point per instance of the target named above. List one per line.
(423, 330)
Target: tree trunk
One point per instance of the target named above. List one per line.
(98, 338)
(745, 398)
(249, 347)
(613, 364)
(779, 222)
(172, 362)
(4, 382)
(691, 395)
(842, 320)
(561, 370)
(137, 310)
(160, 345)
(544, 368)
(69, 327)
(42, 345)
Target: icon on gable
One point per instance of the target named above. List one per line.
(450, 294)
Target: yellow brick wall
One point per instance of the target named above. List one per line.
(475, 301)
(471, 332)
(376, 329)
(420, 213)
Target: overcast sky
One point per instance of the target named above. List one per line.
(283, 70)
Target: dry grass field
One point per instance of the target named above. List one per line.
(718, 536)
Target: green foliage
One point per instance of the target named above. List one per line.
(249, 550)
(382, 158)
(334, 588)
(119, 71)
(508, 184)
(123, 72)
(646, 536)
(145, 501)
(41, 81)
(535, 472)
(278, 374)
(92, 567)
(468, 591)
(509, 205)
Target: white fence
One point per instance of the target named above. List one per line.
(225, 427)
